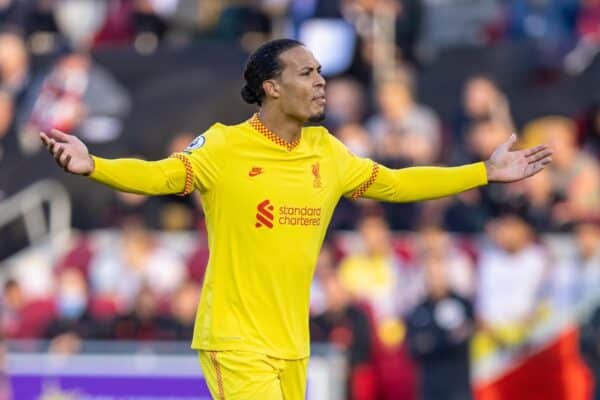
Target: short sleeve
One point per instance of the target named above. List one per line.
(356, 174)
(205, 155)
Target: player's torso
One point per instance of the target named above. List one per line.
(266, 214)
(270, 187)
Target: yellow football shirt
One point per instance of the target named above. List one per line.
(267, 205)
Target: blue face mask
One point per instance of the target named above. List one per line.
(71, 305)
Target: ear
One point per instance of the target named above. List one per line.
(272, 88)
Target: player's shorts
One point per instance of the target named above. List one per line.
(238, 375)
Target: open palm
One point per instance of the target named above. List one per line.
(69, 152)
(510, 166)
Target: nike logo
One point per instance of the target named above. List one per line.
(255, 171)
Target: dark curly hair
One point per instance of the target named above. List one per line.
(262, 65)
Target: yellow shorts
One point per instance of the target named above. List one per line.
(238, 375)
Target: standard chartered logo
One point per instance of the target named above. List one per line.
(266, 215)
(303, 216)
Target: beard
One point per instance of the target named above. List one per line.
(320, 117)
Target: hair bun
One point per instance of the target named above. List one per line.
(248, 95)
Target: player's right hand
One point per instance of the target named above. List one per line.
(69, 152)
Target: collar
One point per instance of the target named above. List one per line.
(257, 124)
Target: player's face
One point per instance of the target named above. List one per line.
(302, 88)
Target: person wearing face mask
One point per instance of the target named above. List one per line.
(74, 321)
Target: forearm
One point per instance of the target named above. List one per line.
(425, 183)
(165, 176)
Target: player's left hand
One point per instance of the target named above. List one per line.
(509, 166)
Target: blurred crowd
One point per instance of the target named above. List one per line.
(412, 311)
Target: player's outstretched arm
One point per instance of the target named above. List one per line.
(426, 183)
(166, 176)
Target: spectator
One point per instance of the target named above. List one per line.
(481, 138)
(74, 322)
(482, 100)
(347, 327)
(138, 260)
(356, 139)
(14, 65)
(513, 263)
(405, 15)
(144, 322)
(483, 122)
(435, 242)
(13, 301)
(537, 200)
(25, 316)
(378, 277)
(71, 298)
(439, 331)
(575, 174)
(345, 102)
(78, 255)
(325, 267)
(404, 132)
(464, 213)
(76, 96)
(14, 79)
(575, 279)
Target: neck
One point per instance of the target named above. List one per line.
(282, 125)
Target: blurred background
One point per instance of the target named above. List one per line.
(492, 294)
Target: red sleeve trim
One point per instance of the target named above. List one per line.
(189, 174)
(366, 184)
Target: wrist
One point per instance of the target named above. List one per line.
(92, 166)
(489, 170)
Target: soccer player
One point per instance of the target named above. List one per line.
(269, 186)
